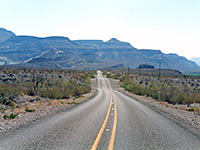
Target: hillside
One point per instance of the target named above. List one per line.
(5, 34)
(61, 52)
(196, 60)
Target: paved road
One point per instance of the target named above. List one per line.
(110, 120)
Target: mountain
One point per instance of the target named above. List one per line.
(99, 44)
(4, 60)
(55, 58)
(170, 61)
(5, 34)
(61, 52)
(22, 48)
(196, 60)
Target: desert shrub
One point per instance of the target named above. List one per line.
(30, 92)
(192, 109)
(48, 83)
(7, 93)
(152, 90)
(113, 76)
(62, 102)
(29, 110)
(65, 89)
(122, 79)
(178, 99)
(168, 92)
(90, 74)
(9, 90)
(55, 83)
(73, 102)
(134, 87)
(11, 116)
(52, 93)
(2, 109)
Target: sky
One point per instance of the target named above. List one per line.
(172, 26)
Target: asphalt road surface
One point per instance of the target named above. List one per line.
(110, 120)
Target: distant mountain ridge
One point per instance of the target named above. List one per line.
(61, 52)
(99, 44)
(196, 60)
(5, 34)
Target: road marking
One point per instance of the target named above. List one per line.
(112, 137)
(96, 142)
(104, 84)
(107, 130)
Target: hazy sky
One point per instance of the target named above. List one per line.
(172, 26)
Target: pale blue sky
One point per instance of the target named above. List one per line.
(172, 26)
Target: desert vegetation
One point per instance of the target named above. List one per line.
(11, 116)
(45, 83)
(179, 90)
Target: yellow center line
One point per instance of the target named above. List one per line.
(96, 142)
(104, 84)
(112, 137)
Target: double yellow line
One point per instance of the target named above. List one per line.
(112, 137)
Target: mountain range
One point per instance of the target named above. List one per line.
(196, 60)
(61, 52)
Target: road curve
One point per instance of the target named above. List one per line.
(110, 120)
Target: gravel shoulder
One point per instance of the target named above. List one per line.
(42, 108)
(178, 112)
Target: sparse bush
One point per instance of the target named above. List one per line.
(113, 76)
(48, 83)
(11, 116)
(29, 110)
(168, 91)
(192, 109)
(73, 102)
(62, 102)
(132, 86)
(2, 110)
(91, 75)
